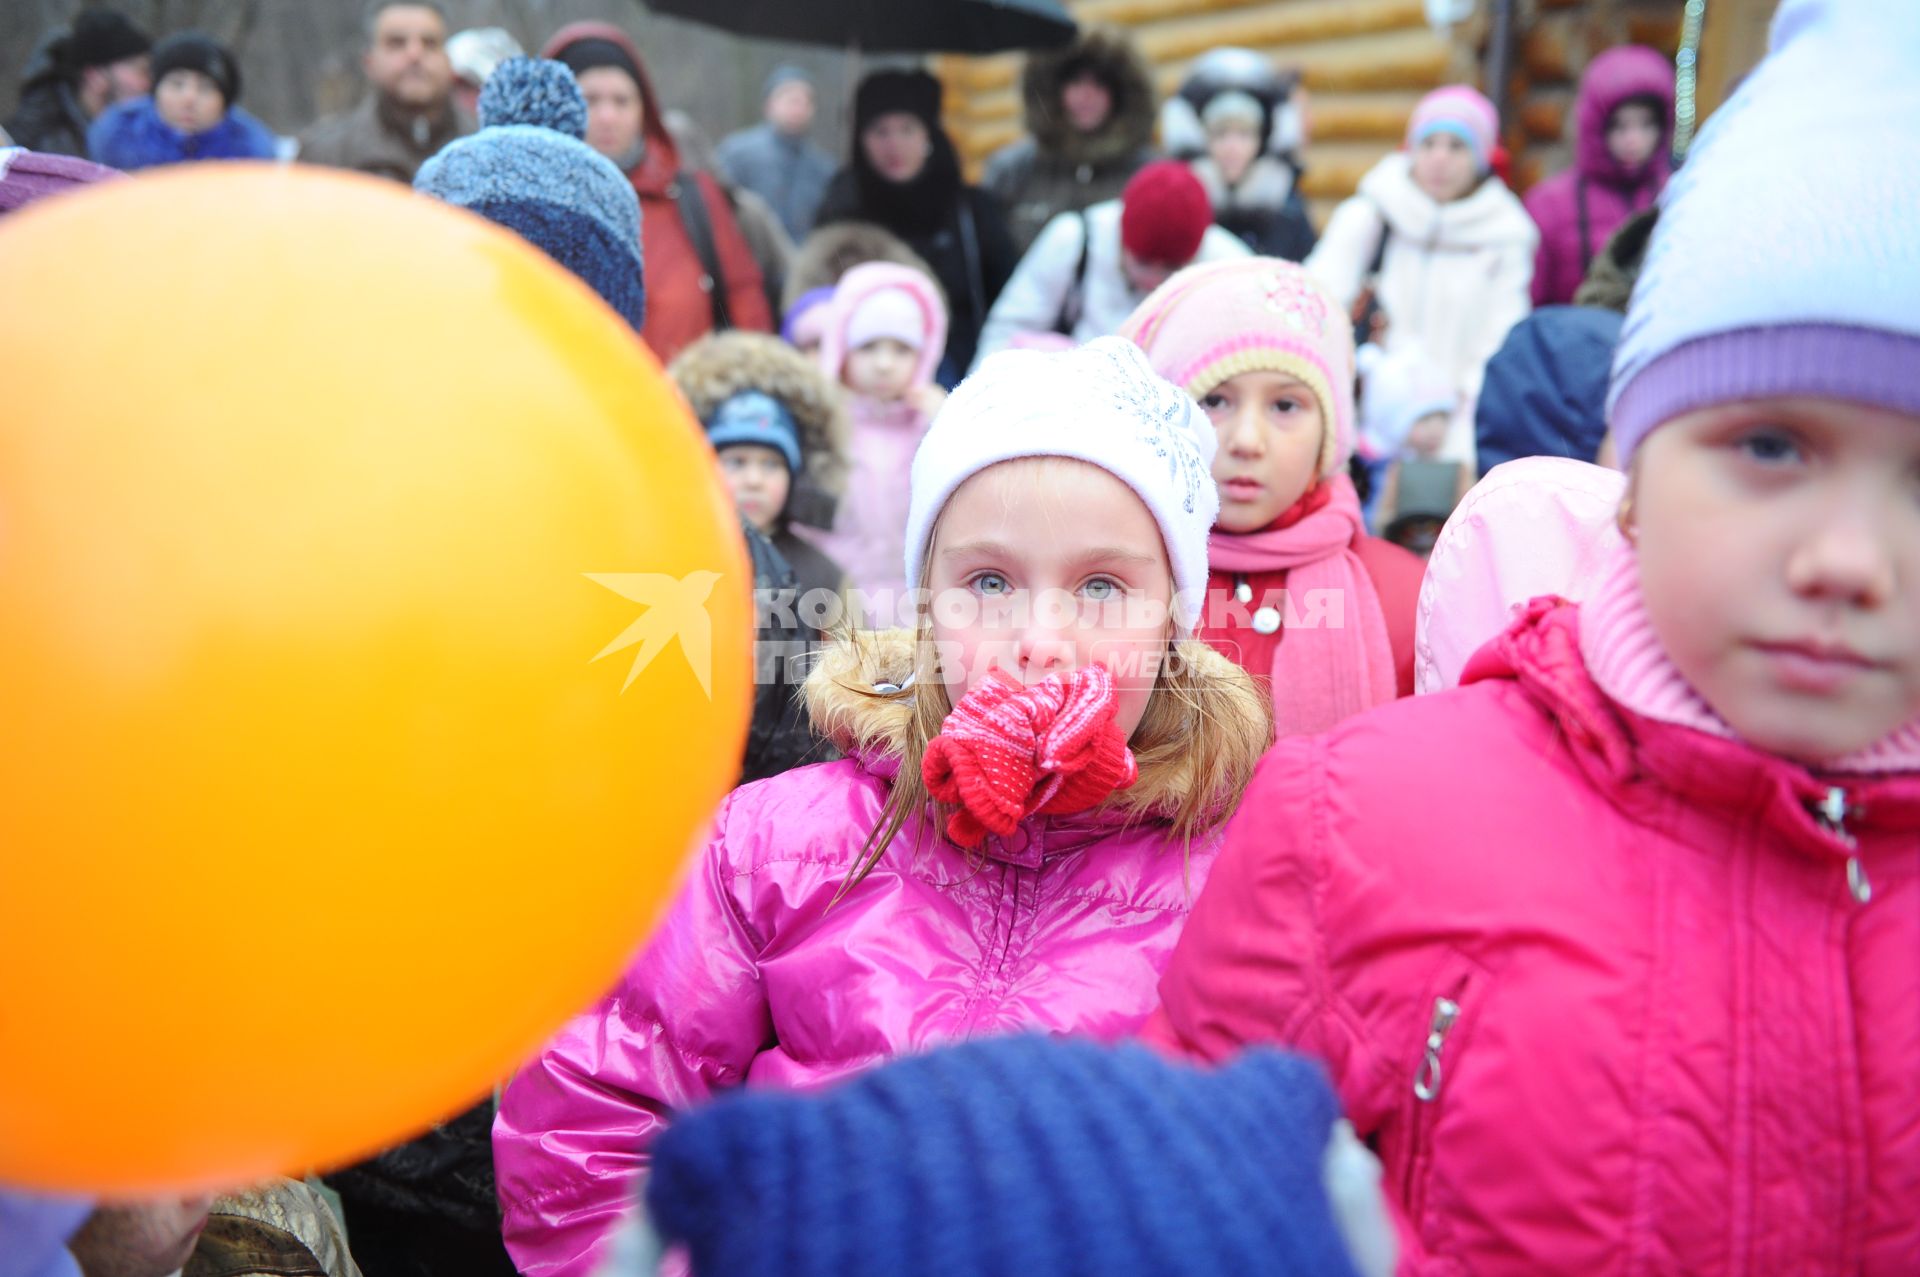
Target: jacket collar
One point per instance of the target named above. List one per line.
(1667, 774)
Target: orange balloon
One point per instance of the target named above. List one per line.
(373, 646)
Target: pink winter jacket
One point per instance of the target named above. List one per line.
(1611, 192)
(1598, 988)
(752, 979)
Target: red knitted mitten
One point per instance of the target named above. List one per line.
(1007, 752)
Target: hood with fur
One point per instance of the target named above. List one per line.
(832, 251)
(1116, 59)
(720, 366)
(841, 700)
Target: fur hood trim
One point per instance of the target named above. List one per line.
(1116, 59)
(833, 250)
(721, 365)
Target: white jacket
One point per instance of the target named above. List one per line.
(1031, 302)
(1454, 280)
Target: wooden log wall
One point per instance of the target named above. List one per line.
(1366, 63)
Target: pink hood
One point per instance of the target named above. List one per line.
(1602, 991)
(753, 979)
(864, 281)
(1618, 74)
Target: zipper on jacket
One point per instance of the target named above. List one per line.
(1832, 812)
(1426, 1082)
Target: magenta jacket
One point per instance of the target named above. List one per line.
(751, 979)
(1602, 991)
(1608, 192)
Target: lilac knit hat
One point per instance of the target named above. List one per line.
(1466, 113)
(1815, 289)
(1253, 314)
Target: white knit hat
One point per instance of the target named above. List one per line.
(1101, 404)
(1813, 286)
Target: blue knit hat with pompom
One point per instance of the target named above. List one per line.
(1009, 1157)
(529, 169)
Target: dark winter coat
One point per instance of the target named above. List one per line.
(1578, 209)
(779, 736)
(1545, 393)
(679, 288)
(1056, 168)
(957, 229)
(131, 135)
(49, 118)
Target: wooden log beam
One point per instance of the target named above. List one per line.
(1307, 23)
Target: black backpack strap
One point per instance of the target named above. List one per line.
(1380, 249)
(1074, 304)
(970, 253)
(692, 205)
(1586, 224)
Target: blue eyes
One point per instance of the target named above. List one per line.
(1100, 588)
(1769, 447)
(991, 583)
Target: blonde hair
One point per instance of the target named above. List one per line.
(1205, 717)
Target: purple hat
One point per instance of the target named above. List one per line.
(26, 176)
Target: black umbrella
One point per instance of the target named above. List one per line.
(888, 26)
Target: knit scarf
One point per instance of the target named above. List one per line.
(1628, 663)
(1321, 673)
(1008, 752)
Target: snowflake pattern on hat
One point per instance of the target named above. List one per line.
(1299, 304)
(1159, 410)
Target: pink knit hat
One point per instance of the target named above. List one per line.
(1463, 112)
(882, 299)
(1253, 314)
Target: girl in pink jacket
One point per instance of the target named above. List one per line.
(1613, 950)
(1034, 780)
(885, 331)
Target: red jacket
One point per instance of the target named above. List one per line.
(679, 305)
(1609, 192)
(1597, 988)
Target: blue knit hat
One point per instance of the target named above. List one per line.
(529, 170)
(1011, 1156)
(755, 417)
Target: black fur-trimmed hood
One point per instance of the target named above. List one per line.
(1116, 59)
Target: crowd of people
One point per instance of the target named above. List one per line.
(1116, 515)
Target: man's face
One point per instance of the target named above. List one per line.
(407, 59)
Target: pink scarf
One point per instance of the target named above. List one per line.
(1323, 672)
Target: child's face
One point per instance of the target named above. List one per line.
(1087, 101)
(882, 369)
(759, 480)
(1633, 132)
(1443, 167)
(1427, 435)
(188, 101)
(1040, 566)
(1779, 548)
(1234, 147)
(1269, 428)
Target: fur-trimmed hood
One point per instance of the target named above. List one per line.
(873, 728)
(717, 367)
(832, 251)
(1112, 55)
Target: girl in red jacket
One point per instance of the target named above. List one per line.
(1297, 592)
(1612, 951)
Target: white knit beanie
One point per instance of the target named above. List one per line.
(1101, 404)
(1786, 259)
